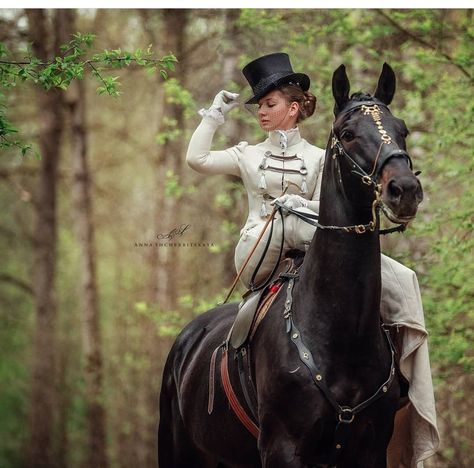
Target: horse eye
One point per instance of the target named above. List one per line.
(347, 136)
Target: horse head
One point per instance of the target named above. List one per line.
(371, 144)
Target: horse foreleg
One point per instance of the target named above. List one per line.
(278, 452)
(175, 448)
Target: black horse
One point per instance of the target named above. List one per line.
(326, 390)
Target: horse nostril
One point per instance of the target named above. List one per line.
(394, 190)
(404, 189)
(419, 193)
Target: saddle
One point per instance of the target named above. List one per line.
(254, 306)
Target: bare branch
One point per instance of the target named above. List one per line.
(424, 43)
(6, 278)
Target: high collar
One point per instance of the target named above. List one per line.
(277, 138)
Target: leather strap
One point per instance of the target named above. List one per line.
(313, 220)
(306, 358)
(241, 356)
(267, 245)
(212, 372)
(243, 417)
(345, 414)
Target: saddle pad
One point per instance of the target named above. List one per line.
(263, 309)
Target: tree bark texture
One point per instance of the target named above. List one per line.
(50, 106)
(234, 129)
(164, 262)
(91, 333)
(170, 160)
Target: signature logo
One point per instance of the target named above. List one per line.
(174, 233)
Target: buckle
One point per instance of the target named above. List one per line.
(367, 180)
(346, 419)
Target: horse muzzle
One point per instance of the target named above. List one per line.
(401, 192)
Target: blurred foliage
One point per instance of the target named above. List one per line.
(431, 53)
(21, 66)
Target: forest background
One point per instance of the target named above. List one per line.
(93, 178)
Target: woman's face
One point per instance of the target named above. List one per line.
(275, 113)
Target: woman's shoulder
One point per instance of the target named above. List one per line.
(239, 148)
(313, 149)
(244, 147)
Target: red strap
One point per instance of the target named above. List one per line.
(244, 418)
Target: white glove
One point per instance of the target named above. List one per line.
(224, 102)
(291, 202)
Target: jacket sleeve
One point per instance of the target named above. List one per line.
(313, 204)
(200, 157)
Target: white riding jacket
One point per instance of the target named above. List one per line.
(264, 168)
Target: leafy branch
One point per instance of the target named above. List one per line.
(72, 64)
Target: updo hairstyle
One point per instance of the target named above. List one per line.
(305, 99)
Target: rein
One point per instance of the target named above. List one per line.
(357, 228)
(367, 179)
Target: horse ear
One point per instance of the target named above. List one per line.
(340, 88)
(386, 85)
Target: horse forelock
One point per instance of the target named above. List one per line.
(360, 96)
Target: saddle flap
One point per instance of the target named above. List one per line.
(243, 321)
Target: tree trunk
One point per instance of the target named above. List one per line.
(164, 261)
(234, 129)
(170, 160)
(43, 393)
(91, 334)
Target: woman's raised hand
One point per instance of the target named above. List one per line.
(225, 101)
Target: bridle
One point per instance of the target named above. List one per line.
(339, 150)
(370, 179)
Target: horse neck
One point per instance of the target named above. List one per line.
(341, 276)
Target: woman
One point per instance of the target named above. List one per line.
(284, 161)
(284, 166)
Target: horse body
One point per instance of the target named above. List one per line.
(184, 436)
(335, 306)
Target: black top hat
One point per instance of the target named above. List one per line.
(271, 71)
